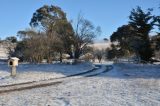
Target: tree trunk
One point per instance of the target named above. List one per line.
(60, 58)
(77, 54)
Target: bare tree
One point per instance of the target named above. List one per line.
(99, 54)
(85, 32)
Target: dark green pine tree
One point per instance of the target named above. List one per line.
(143, 23)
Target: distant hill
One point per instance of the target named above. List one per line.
(101, 45)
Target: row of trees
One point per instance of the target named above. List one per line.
(51, 35)
(134, 38)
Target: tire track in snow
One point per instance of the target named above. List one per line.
(42, 83)
(30, 82)
(108, 68)
(54, 81)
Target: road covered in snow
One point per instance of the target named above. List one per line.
(124, 85)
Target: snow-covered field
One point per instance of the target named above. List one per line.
(125, 85)
(37, 72)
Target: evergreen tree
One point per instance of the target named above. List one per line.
(143, 23)
(52, 20)
(124, 36)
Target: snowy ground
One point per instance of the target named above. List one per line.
(125, 85)
(34, 72)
